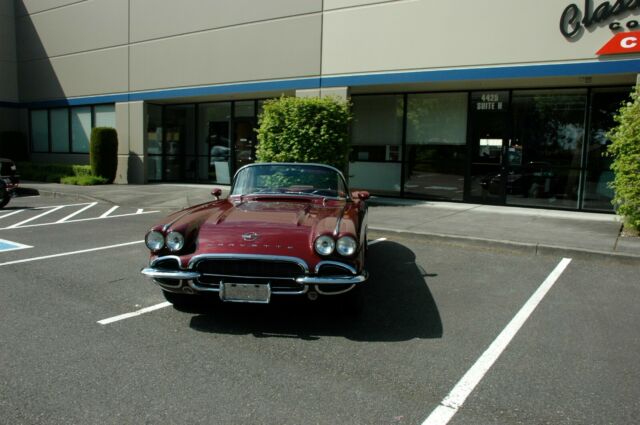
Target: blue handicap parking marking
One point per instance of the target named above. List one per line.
(11, 246)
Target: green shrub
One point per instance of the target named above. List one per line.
(294, 129)
(83, 180)
(52, 173)
(13, 145)
(625, 151)
(103, 152)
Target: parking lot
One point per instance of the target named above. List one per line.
(445, 333)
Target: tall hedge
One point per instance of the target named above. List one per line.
(294, 129)
(625, 151)
(103, 152)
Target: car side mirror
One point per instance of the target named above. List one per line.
(363, 195)
(217, 192)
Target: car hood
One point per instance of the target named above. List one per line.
(269, 226)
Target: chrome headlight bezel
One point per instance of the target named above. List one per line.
(346, 246)
(324, 245)
(174, 241)
(154, 240)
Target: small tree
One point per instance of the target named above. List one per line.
(103, 152)
(294, 129)
(625, 151)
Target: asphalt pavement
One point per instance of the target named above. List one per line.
(490, 335)
(527, 230)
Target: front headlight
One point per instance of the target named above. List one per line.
(175, 241)
(346, 246)
(154, 240)
(325, 245)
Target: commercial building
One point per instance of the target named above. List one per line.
(502, 101)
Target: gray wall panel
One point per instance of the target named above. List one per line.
(151, 19)
(25, 7)
(268, 50)
(7, 38)
(8, 65)
(96, 24)
(423, 34)
(338, 4)
(101, 72)
(8, 82)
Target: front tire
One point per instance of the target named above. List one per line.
(4, 198)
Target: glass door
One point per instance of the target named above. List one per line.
(490, 152)
(244, 141)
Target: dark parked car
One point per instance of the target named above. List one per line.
(9, 180)
(285, 229)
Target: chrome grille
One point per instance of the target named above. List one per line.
(250, 268)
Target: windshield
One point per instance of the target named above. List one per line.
(296, 179)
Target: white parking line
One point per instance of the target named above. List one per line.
(68, 219)
(64, 254)
(13, 226)
(105, 215)
(11, 213)
(450, 405)
(62, 220)
(133, 314)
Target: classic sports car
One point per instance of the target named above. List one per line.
(285, 229)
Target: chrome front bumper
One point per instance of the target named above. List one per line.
(175, 280)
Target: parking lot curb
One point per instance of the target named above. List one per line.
(512, 246)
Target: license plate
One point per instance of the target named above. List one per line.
(245, 293)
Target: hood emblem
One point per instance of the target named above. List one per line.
(250, 236)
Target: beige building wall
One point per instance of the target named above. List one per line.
(118, 46)
(61, 49)
(285, 48)
(426, 34)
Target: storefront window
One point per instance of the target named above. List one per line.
(214, 144)
(80, 129)
(60, 130)
(436, 145)
(105, 115)
(154, 142)
(548, 129)
(377, 143)
(40, 131)
(604, 105)
(179, 142)
(68, 128)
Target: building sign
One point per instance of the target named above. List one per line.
(574, 19)
(626, 42)
(490, 102)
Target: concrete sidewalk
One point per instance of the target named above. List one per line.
(533, 231)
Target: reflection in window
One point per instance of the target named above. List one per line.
(105, 115)
(436, 145)
(213, 142)
(376, 143)
(604, 105)
(80, 129)
(60, 130)
(548, 125)
(40, 131)
(154, 142)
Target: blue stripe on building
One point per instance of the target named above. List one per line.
(601, 67)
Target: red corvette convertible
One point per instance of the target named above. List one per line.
(285, 229)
